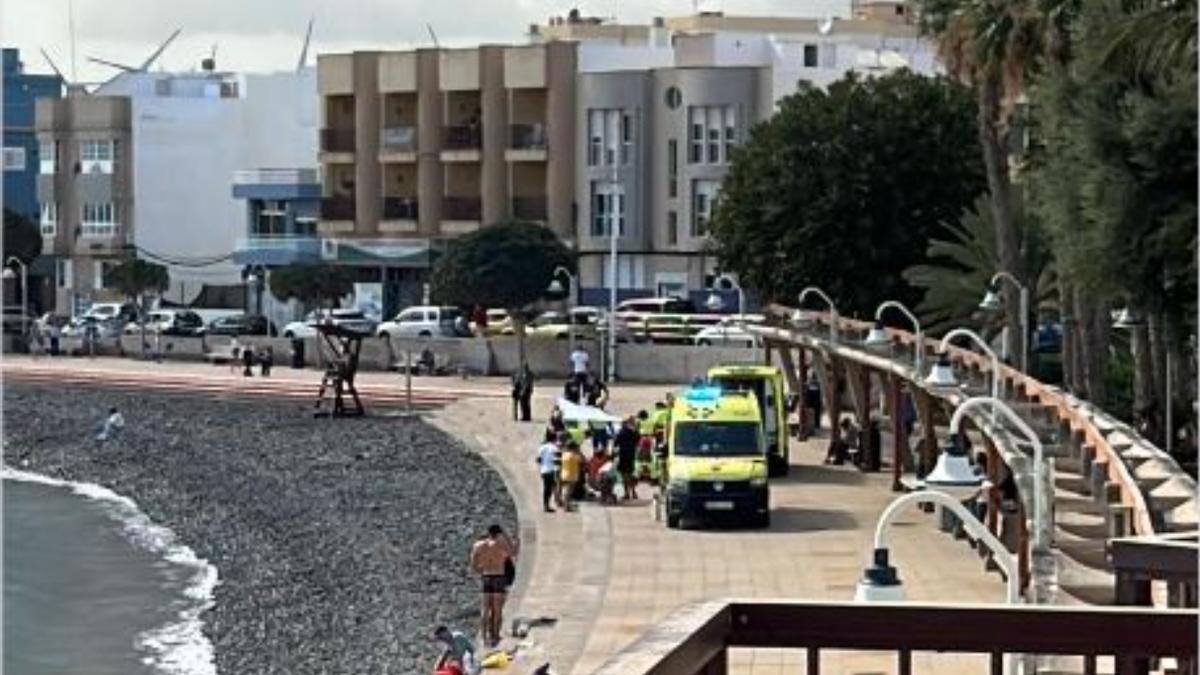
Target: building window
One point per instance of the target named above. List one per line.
(607, 199)
(810, 56)
(49, 221)
(14, 159)
(672, 228)
(610, 136)
(96, 156)
(48, 157)
(713, 133)
(306, 226)
(63, 272)
(102, 269)
(704, 193)
(672, 168)
(99, 219)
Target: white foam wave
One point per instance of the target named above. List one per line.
(180, 647)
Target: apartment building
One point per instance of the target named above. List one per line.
(424, 145)
(21, 158)
(85, 187)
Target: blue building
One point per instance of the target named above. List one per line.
(22, 160)
(282, 209)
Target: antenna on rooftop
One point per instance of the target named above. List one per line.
(304, 49)
(71, 29)
(433, 35)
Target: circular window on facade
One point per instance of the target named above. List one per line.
(674, 98)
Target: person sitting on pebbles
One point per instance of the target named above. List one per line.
(458, 656)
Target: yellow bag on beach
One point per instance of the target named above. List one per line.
(496, 660)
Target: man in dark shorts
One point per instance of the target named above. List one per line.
(626, 444)
(490, 557)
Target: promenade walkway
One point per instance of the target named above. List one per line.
(608, 573)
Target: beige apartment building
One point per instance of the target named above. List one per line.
(423, 145)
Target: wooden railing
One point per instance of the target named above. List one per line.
(696, 639)
(1079, 422)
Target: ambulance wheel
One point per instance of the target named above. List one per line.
(762, 520)
(672, 518)
(777, 466)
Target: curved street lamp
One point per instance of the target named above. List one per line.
(557, 287)
(1041, 522)
(716, 302)
(983, 345)
(880, 338)
(991, 302)
(9, 274)
(833, 313)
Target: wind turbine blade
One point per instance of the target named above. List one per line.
(158, 52)
(54, 67)
(111, 64)
(304, 50)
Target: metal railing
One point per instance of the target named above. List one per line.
(399, 208)
(527, 136)
(337, 140)
(696, 639)
(462, 137)
(529, 208)
(461, 208)
(337, 208)
(398, 139)
(275, 177)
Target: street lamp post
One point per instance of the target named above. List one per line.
(833, 313)
(1042, 537)
(614, 198)
(982, 344)
(919, 347)
(8, 274)
(716, 302)
(556, 287)
(991, 302)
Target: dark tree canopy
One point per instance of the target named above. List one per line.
(135, 276)
(22, 238)
(844, 188)
(507, 265)
(312, 284)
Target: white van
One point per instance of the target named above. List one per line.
(425, 321)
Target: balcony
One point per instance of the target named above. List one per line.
(527, 143)
(337, 140)
(400, 208)
(399, 140)
(697, 639)
(285, 249)
(462, 137)
(462, 208)
(337, 208)
(529, 208)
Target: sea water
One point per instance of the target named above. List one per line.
(92, 586)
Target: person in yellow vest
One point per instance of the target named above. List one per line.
(572, 473)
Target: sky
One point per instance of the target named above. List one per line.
(266, 35)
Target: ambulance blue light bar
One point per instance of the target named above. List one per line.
(705, 394)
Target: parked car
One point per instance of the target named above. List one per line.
(643, 306)
(426, 321)
(104, 329)
(726, 333)
(498, 323)
(241, 324)
(666, 329)
(554, 324)
(350, 319)
(168, 322)
(125, 311)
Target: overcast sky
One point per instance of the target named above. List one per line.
(266, 35)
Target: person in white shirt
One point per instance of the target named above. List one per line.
(579, 365)
(548, 467)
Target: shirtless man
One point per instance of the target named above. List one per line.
(488, 556)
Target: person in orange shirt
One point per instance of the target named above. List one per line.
(572, 470)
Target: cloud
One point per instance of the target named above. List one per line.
(259, 35)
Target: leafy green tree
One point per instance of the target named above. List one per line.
(312, 285)
(22, 238)
(508, 265)
(134, 277)
(844, 188)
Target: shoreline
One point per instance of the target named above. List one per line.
(339, 544)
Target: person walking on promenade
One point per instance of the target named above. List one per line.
(572, 470)
(266, 359)
(248, 361)
(626, 444)
(235, 354)
(489, 559)
(458, 652)
(579, 366)
(522, 393)
(55, 337)
(547, 468)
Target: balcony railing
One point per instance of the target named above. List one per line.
(462, 137)
(399, 208)
(529, 208)
(337, 140)
(337, 208)
(695, 640)
(398, 139)
(528, 136)
(461, 208)
(275, 177)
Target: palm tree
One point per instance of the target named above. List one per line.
(1151, 42)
